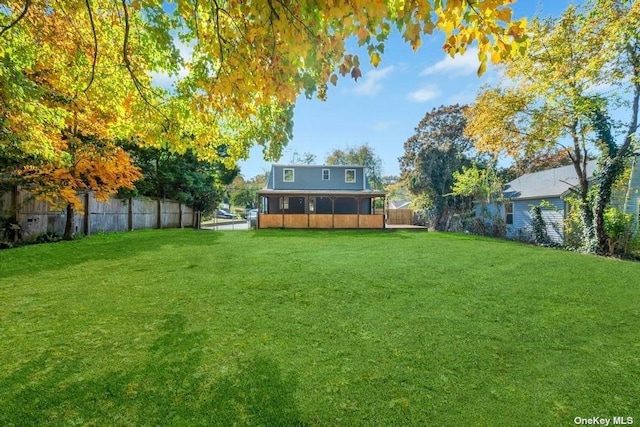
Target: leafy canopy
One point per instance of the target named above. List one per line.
(87, 66)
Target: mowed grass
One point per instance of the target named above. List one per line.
(279, 327)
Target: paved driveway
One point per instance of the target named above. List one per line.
(238, 225)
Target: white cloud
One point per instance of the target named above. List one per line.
(371, 82)
(382, 125)
(424, 94)
(460, 65)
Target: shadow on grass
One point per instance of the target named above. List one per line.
(32, 259)
(169, 389)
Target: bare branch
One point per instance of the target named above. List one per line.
(95, 46)
(27, 3)
(127, 62)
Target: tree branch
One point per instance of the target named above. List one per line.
(27, 3)
(127, 62)
(95, 46)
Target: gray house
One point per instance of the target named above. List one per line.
(319, 196)
(550, 189)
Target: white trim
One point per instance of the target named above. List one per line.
(284, 175)
(355, 176)
(506, 214)
(328, 171)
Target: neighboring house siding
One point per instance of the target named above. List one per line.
(553, 217)
(310, 178)
(633, 204)
(488, 210)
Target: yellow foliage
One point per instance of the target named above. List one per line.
(84, 69)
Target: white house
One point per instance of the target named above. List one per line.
(549, 189)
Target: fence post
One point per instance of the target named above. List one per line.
(159, 213)
(86, 221)
(130, 215)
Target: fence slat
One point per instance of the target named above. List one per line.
(37, 217)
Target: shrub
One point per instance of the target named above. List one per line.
(619, 228)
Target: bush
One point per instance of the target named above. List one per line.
(48, 237)
(619, 228)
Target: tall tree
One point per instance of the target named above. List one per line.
(65, 61)
(433, 154)
(362, 155)
(555, 104)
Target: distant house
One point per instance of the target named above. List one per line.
(550, 189)
(319, 196)
(399, 204)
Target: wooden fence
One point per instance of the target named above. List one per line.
(399, 216)
(37, 217)
(320, 221)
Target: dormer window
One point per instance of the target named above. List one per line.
(350, 175)
(288, 175)
(326, 175)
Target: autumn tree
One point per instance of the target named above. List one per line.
(82, 71)
(91, 165)
(249, 61)
(432, 155)
(554, 102)
(362, 155)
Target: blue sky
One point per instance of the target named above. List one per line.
(383, 108)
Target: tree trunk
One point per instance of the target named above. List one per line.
(68, 226)
(589, 243)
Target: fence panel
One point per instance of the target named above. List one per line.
(37, 217)
(145, 213)
(400, 216)
(170, 214)
(109, 216)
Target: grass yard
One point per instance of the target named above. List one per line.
(279, 327)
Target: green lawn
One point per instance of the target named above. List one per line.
(277, 327)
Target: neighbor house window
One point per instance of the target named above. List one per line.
(325, 174)
(288, 175)
(508, 213)
(350, 175)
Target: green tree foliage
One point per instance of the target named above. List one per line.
(362, 155)
(183, 177)
(482, 184)
(437, 150)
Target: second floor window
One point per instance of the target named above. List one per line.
(288, 175)
(325, 175)
(350, 175)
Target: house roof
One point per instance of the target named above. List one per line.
(399, 204)
(548, 183)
